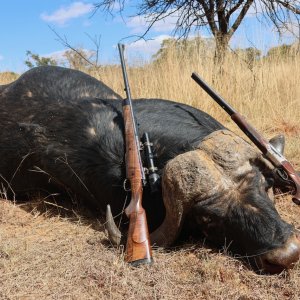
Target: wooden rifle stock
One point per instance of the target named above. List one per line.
(138, 248)
(282, 165)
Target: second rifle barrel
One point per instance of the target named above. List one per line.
(213, 94)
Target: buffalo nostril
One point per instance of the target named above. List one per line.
(271, 268)
(283, 257)
(291, 252)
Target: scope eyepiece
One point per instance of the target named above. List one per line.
(153, 177)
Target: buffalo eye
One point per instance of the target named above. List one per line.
(201, 220)
(208, 223)
(269, 183)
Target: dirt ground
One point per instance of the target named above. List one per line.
(48, 251)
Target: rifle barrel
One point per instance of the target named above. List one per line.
(247, 128)
(213, 94)
(128, 101)
(276, 158)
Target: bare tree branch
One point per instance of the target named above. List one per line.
(289, 6)
(96, 41)
(234, 8)
(221, 17)
(240, 18)
(64, 42)
(209, 13)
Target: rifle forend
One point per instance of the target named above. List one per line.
(138, 248)
(283, 167)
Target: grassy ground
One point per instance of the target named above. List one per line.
(49, 251)
(45, 254)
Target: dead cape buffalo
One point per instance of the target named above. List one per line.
(62, 130)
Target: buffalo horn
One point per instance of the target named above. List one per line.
(114, 234)
(278, 142)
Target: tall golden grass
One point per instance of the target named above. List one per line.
(7, 77)
(266, 91)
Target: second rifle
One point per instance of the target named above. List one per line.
(283, 167)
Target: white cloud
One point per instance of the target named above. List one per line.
(118, 6)
(58, 56)
(64, 14)
(150, 46)
(139, 24)
(292, 29)
(1, 57)
(142, 50)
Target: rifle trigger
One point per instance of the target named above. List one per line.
(125, 187)
(282, 174)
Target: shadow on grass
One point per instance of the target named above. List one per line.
(57, 206)
(194, 243)
(73, 211)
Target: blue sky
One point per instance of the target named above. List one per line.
(25, 26)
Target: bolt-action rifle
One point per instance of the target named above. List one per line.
(282, 166)
(138, 248)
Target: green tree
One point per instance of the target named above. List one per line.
(34, 60)
(182, 48)
(80, 59)
(250, 55)
(282, 51)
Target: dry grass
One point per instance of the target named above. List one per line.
(7, 77)
(267, 92)
(47, 256)
(46, 253)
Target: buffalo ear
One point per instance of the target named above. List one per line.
(278, 142)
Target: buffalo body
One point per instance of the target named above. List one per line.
(62, 131)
